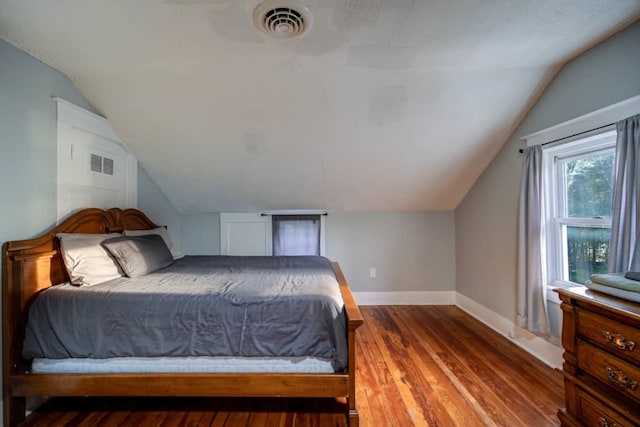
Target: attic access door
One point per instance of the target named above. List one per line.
(95, 168)
(245, 234)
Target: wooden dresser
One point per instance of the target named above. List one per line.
(601, 339)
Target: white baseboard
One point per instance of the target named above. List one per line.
(542, 349)
(547, 352)
(406, 298)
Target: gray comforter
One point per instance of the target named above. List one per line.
(198, 306)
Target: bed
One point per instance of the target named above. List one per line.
(31, 267)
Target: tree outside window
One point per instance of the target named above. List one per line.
(588, 187)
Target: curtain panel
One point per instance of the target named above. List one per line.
(531, 291)
(626, 197)
(296, 234)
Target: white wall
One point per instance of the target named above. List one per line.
(486, 219)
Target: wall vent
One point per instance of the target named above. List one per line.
(282, 19)
(96, 163)
(101, 164)
(107, 166)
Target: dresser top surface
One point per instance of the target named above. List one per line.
(586, 295)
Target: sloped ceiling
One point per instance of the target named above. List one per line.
(384, 105)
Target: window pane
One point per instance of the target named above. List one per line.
(589, 185)
(587, 252)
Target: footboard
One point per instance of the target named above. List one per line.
(354, 320)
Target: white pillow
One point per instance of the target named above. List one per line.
(87, 262)
(163, 233)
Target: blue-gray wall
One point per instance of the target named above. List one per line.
(28, 148)
(153, 202)
(411, 251)
(486, 220)
(201, 234)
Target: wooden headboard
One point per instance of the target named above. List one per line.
(29, 266)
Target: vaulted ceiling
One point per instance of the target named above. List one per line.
(382, 105)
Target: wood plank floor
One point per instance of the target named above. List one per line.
(417, 366)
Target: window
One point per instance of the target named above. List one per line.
(296, 234)
(578, 185)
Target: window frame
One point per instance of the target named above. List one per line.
(554, 196)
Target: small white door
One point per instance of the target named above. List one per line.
(245, 234)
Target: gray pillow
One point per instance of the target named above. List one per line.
(163, 233)
(139, 255)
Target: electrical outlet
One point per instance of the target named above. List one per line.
(372, 272)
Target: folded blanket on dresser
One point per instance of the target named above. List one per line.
(616, 280)
(615, 284)
(616, 292)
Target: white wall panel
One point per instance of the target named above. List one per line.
(110, 181)
(245, 234)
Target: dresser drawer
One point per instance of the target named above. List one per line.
(594, 414)
(615, 337)
(609, 369)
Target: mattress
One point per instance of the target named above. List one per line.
(182, 365)
(211, 306)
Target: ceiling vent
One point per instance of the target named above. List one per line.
(282, 19)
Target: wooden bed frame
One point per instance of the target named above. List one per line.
(29, 266)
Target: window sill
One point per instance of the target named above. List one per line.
(553, 296)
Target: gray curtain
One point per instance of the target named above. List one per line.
(296, 234)
(532, 301)
(626, 197)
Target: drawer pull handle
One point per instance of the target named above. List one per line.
(619, 341)
(619, 377)
(605, 423)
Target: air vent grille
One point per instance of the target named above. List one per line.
(101, 164)
(282, 20)
(96, 163)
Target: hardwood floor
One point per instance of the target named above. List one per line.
(417, 366)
